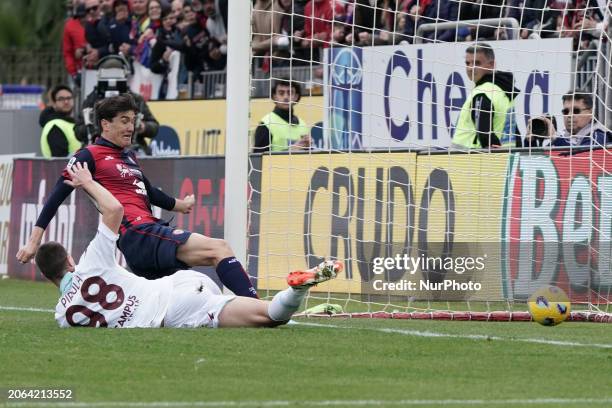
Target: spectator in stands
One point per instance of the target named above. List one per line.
(165, 55)
(281, 129)
(106, 8)
(374, 24)
(58, 138)
(221, 10)
(487, 117)
(569, 17)
(418, 12)
(534, 17)
(297, 8)
(195, 39)
(363, 22)
(318, 19)
(446, 11)
(74, 43)
(120, 27)
(107, 13)
(155, 9)
(588, 29)
(580, 127)
(341, 34)
(140, 22)
(266, 27)
(177, 9)
(96, 34)
(480, 10)
(198, 9)
(146, 39)
(285, 44)
(215, 25)
(596, 21)
(112, 81)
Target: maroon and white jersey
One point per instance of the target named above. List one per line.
(103, 294)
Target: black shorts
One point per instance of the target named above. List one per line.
(150, 249)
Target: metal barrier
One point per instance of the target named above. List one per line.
(212, 86)
(585, 75)
(510, 23)
(306, 76)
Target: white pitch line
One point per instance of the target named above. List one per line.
(26, 309)
(405, 332)
(321, 403)
(419, 333)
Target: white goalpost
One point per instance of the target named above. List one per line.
(236, 140)
(431, 221)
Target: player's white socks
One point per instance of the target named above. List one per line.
(285, 303)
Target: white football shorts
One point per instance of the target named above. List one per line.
(195, 301)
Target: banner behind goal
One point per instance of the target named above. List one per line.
(437, 200)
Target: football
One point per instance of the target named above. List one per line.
(549, 306)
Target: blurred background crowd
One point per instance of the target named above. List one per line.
(178, 49)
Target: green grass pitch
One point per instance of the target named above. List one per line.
(317, 362)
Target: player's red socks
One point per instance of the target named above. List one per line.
(232, 275)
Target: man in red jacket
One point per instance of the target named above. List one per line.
(318, 18)
(74, 43)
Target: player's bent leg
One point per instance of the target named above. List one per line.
(246, 312)
(200, 250)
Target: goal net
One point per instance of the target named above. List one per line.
(451, 152)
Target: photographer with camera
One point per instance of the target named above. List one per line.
(581, 129)
(112, 81)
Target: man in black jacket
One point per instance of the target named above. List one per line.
(487, 118)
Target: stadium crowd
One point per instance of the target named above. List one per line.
(170, 46)
(175, 40)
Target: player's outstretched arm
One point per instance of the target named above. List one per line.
(109, 206)
(26, 253)
(57, 197)
(59, 193)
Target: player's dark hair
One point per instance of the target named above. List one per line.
(109, 108)
(56, 89)
(283, 81)
(483, 48)
(586, 98)
(52, 260)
